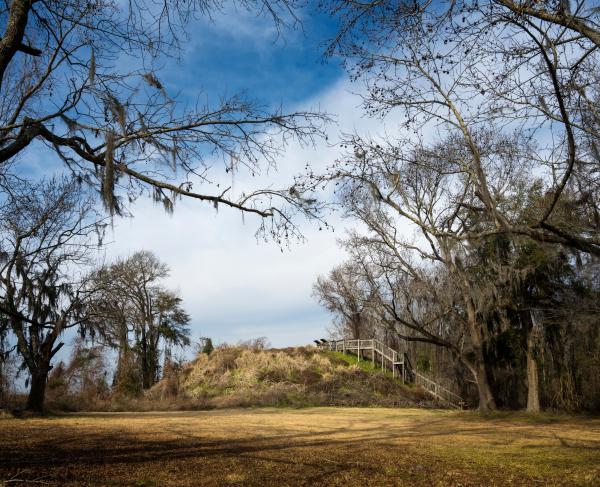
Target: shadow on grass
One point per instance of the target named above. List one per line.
(69, 445)
(353, 446)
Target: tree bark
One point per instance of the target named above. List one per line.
(37, 390)
(533, 386)
(486, 397)
(478, 368)
(14, 33)
(123, 361)
(3, 380)
(144, 357)
(478, 365)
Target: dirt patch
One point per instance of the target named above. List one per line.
(320, 446)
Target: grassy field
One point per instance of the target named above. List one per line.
(318, 446)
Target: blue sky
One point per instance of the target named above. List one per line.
(240, 52)
(234, 287)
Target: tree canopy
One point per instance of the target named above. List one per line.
(79, 81)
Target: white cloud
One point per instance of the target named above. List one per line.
(233, 286)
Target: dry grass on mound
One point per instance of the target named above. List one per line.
(301, 377)
(233, 377)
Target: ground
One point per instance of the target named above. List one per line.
(313, 446)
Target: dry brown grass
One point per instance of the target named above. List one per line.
(319, 446)
(294, 377)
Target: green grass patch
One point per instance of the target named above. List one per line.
(365, 364)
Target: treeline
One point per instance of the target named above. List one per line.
(479, 220)
(478, 204)
(538, 326)
(50, 237)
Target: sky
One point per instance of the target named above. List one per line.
(233, 286)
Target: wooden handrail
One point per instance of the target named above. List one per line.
(391, 355)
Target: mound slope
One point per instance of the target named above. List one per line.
(296, 377)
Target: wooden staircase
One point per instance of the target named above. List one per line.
(389, 359)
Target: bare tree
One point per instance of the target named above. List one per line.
(81, 380)
(66, 90)
(462, 68)
(47, 234)
(430, 283)
(136, 315)
(344, 295)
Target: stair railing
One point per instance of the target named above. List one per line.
(409, 374)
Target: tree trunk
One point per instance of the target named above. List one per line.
(153, 357)
(14, 33)
(533, 385)
(3, 381)
(38, 357)
(124, 359)
(486, 397)
(478, 366)
(37, 390)
(146, 383)
(484, 391)
(145, 364)
(355, 323)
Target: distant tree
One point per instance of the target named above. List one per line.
(344, 294)
(137, 315)
(79, 82)
(47, 234)
(111, 312)
(260, 343)
(82, 379)
(207, 346)
(173, 321)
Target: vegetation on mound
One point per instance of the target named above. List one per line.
(296, 377)
(364, 364)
